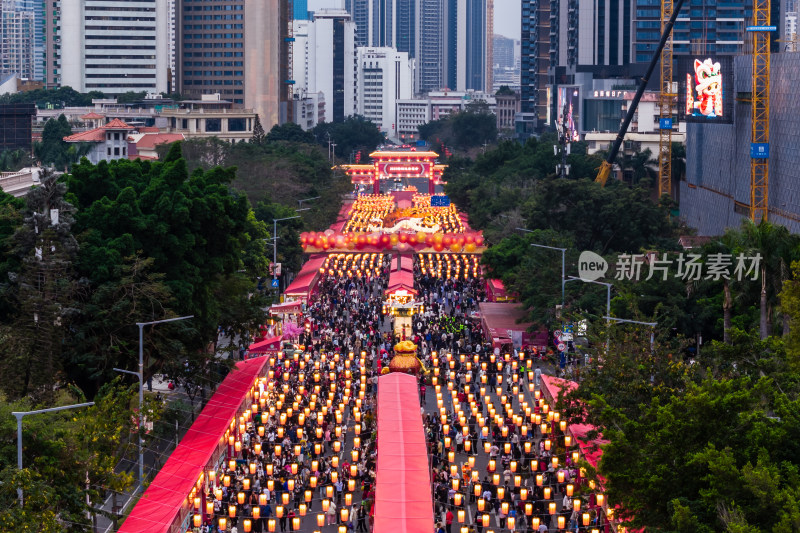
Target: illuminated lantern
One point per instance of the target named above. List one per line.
(344, 514)
(539, 480)
(504, 507)
(560, 476)
(570, 489)
(561, 522)
(248, 524)
(232, 511)
(535, 523)
(576, 504)
(485, 519)
(552, 507)
(223, 524)
(510, 523)
(320, 519)
(481, 504)
(226, 481)
(240, 498)
(296, 523)
(348, 499)
(271, 525)
(547, 492)
(523, 494)
(457, 499)
(256, 512)
(586, 519)
(285, 498)
(209, 508)
(218, 494)
(308, 495)
(232, 464)
(326, 503)
(600, 500)
(197, 519)
(279, 511)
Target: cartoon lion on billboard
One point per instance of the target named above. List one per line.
(708, 86)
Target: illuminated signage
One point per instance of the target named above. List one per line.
(706, 96)
(568, 110)
(404, 168)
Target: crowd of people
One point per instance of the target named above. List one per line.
(307, 458)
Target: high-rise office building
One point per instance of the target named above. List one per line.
(300, 9)
(384, 76)
(432, 45)
(239, 49)
(325, 47)
(17, 29)
(562, 40)
(113, 46)
(535, 59)
(472, 45)
(171, 43)
(504, 52)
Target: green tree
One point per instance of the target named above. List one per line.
(195, 230)
(53, 150)
(43, 292)
(258, 132)
(355, 133)
(290, 132)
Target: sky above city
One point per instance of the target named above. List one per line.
(507, 18)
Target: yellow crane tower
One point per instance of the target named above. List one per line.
(665, 100)
(759, 147)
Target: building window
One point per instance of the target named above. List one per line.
(213, 125)
(116, 150)
(237, 124)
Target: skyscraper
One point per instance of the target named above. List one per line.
(431, 44)
(564, 40)
(114, 47)
(237, 48)
(331, 62)
(17, 28)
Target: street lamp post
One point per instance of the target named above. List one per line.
(20, 414)
(608, 291)
(275, 238)
(140, 375)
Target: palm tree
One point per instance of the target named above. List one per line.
(777, 248)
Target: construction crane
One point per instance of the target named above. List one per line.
(759, 149)
(666, 98)
(605, 167)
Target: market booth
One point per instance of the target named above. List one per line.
(505, 324)
(303, 285)
(403, 500)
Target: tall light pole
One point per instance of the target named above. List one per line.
(275, 239)
(20, 414)
(563, 262)
(140, 375)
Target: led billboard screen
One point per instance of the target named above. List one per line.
(569, 109)
(706, 89)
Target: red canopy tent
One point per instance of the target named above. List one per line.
(504, 324)
(295, 306)
(272, 345)
(164, 505)
(307, 278)
(403, 499)
(496, 291)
